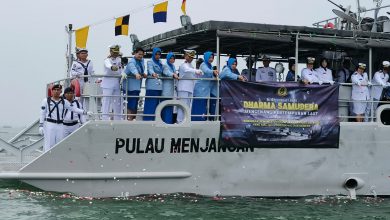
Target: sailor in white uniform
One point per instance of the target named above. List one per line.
(82, 68)
(110, 85)
(360, 92)
(52, 112)
(72, 121)
(324, 74)
(380, 81)
(308, 74)
(186, 84)
(266, 73)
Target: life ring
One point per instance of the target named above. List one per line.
(329, 25)
(75, 85)
(49, 90)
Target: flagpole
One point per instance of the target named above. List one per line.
(70, 31)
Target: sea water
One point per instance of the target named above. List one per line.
(20, 201)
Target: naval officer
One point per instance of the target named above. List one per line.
(308, 74)
(72, 121)
(380, 81)
(360, 92)
(82, 68)
(266, 73)
(51, 119)
(110, 84)
(323, 73)
(185, 87)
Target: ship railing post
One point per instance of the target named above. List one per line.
(219, 70)
(296, 56)
(370, 77)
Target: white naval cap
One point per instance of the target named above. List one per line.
(191, 53)
(362, 66)
(79, 50)
(311, 60)
(386, 64)
(115, 48)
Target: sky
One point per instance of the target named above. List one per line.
(33, 38)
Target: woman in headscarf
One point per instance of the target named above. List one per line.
(291, 71)
(168, 90)
(153, 84)
(203, 88)
(230, 71)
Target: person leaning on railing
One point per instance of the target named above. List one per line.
(110, 85)
(202, 88)
(308, 74)
(228, 73)
(132, 77)
(169, 87)
(380, 81)
(360, 92)
(154, 84)
(323, 73)
(185, 87)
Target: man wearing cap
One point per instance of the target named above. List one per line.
(360, 92)
(249, 73)
(72, 121)
(380, 81)
(82, 68)
(110, 85)
(51, 119)
(266, 73)
(308, 74)
(185, 87)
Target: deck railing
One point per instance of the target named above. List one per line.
(92, 95)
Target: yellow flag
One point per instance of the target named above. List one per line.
(183, 7)
(82, 37)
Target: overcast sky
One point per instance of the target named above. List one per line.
(33, 38)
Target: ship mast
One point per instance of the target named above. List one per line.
(69, 56)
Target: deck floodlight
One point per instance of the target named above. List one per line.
(134, 38)
(186, 21)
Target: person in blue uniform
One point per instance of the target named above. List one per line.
(229, 72)
(291, 71)
(154, 85)
(134, 72)
(168, 90)
(202, 88)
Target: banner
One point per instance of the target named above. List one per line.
(279, 115)
(122, 25)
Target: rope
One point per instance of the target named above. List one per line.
(132, 12)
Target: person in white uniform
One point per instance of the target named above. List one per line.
(51, 119)
(185, 86)
(380, 81)
(323, 73)
(266, 73)
(110, 85)
(72, 121)
(82, 68)
(308, 74)
(360, 92)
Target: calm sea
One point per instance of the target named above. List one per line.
(20, 201)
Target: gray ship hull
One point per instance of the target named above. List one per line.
(110, 159)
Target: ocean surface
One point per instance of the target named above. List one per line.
(20, 201)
